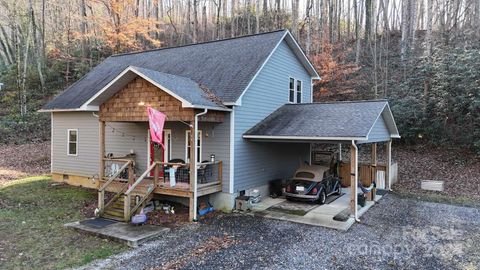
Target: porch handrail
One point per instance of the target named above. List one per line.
(140, 179)
(127, 210)
(101, 191)
(115, 175)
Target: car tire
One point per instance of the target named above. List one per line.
(338, 191)
(322, 198)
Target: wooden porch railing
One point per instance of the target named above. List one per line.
(128, 165)
(128, 210)
(208, 173)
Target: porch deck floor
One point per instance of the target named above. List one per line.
(321, 215)
(180, 188)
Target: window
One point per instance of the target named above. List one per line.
(188, 145)
(72, 144)
(292, 91)
(299, 91)
(295, 91)
(167, 143)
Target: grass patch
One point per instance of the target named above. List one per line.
(438, 198)
(32, 214)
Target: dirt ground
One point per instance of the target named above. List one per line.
(19, 161)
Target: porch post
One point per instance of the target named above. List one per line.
(353, 178)
(389, 164)
(101, 128)
(373, 170)
(101, 141)
(192, 169)
(339, 152)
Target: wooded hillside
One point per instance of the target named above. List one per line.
(424, 56)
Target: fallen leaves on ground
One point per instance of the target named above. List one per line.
(459, 169)
(18, 161)
(212, 244)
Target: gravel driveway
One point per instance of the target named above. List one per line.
(397, 233)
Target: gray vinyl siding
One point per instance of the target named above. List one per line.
(121, 137)
(256, 162)
(379, 132)
(86, 163)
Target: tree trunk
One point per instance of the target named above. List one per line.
(295, 4)
(36, 45)
(232, 31)
(257, 16)
(204, 22)
(195, 21)
(217, 23)
(368, 21)
(349, 19)
(428, 38)
(330, 21)
(247, 14)
(357, 33)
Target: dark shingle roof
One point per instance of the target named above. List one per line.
(183, 87)
(225, 67)
(324, 120)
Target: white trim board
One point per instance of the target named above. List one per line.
(76, 142)
(200, 138)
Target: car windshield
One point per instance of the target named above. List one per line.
(305, 175)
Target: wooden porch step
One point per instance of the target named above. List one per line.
(113, 217)
(114, 212)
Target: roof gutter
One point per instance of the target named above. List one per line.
(68, 110)
(304, 138)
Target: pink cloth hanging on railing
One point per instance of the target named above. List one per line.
(156, 120)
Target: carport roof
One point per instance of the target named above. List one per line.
(333, 121)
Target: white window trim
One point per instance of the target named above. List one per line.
(199, 145)
(294, 90)
(169, 150)
(68, 143)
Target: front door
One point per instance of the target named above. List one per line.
(156, 152)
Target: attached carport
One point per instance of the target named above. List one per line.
(352, 122)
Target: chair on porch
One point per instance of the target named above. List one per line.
(204, 171)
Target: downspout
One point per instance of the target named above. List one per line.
(355, 188)
(195, 162)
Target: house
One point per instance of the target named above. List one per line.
(248, 100)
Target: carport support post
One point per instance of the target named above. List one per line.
(339, 152)
(373, 169)
(389, 164)
(353, 179)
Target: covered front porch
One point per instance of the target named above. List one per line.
(186, 166)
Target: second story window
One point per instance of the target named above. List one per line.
(299, 91)
(295, 91)
(291, 97)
